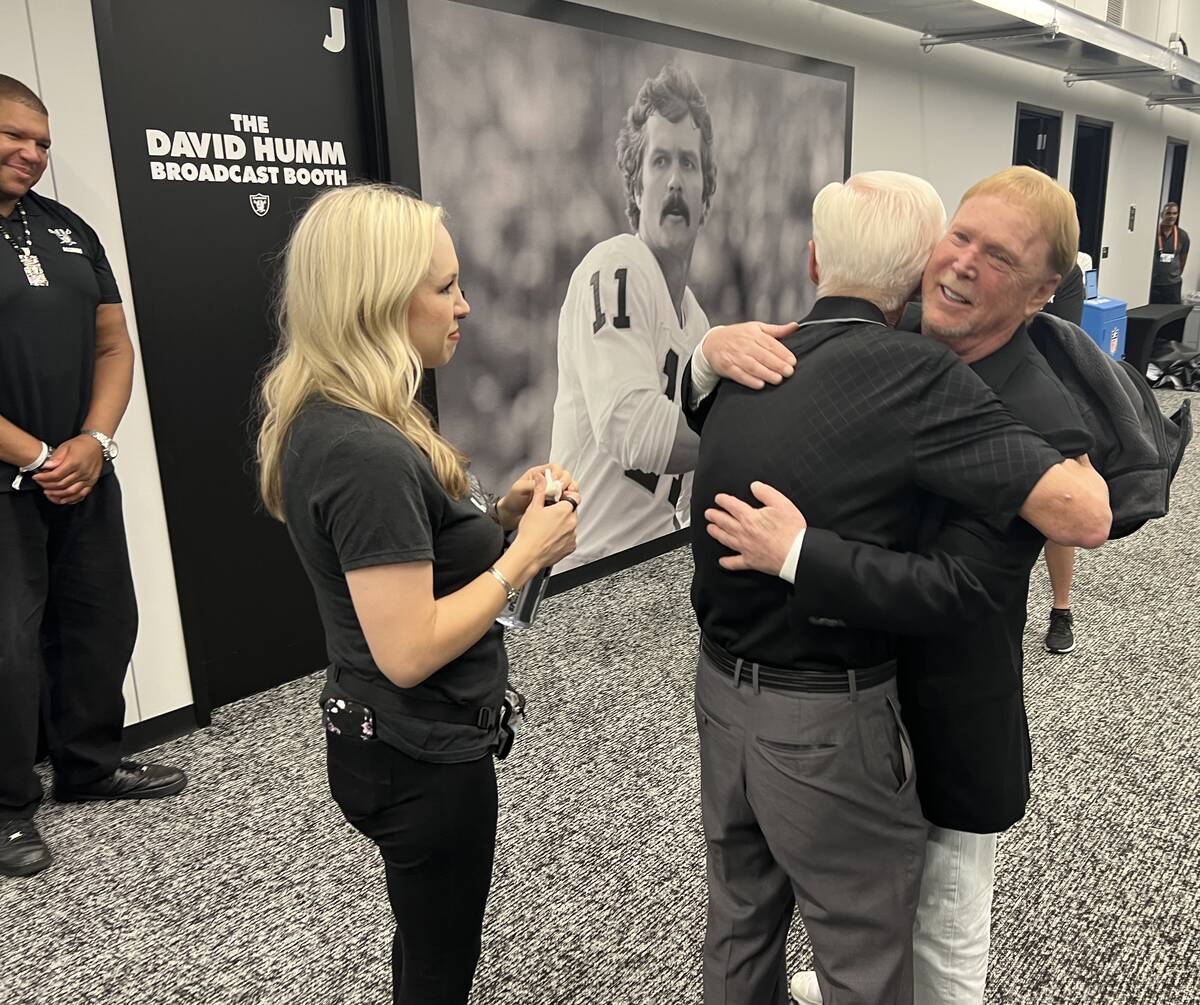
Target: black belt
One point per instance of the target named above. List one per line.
(823, 678)
(481, 717)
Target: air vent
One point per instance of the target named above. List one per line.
(1116, 12)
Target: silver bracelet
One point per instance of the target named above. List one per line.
(509, 589)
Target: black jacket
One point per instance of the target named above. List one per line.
(957, 602)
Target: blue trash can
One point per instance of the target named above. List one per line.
(1105, 319)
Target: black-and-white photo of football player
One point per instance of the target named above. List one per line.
(628, 324)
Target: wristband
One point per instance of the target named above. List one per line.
(509, 589)
(42, 458)
(32, 468)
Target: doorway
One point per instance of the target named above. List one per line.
(1173, 170)
(1089, 181)
(1037, 138)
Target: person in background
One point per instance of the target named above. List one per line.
(66, 594)
(406, 557)
(1171, 244)
(1067, 303)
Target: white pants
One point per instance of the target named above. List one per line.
(954, 918)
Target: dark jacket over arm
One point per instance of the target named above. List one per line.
(966, 576)
(964, 589)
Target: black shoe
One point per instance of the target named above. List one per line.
(130, 781)
(1060, 638)
(22, 850)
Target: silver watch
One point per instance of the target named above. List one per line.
(108, 446)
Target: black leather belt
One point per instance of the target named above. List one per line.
(823, 678)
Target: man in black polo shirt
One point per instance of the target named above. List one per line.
(66, 595)
(1171, 246)
(964, 587)
(806, 771)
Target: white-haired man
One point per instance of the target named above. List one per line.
(806, 768)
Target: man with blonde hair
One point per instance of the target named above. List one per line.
(961, 580)
(807, 783)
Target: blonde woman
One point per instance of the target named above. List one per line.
(407, 560)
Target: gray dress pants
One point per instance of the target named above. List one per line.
(809, 799)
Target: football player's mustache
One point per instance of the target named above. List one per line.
(675, 204)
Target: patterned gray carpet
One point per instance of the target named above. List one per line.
(248, 888)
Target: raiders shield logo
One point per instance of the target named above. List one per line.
(260, 203)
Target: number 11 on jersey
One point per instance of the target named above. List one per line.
(620, 319)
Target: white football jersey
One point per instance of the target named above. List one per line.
(618, 335)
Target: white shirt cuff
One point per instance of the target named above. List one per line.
(788, 571)
(704, 378)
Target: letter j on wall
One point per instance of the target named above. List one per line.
(335, 41)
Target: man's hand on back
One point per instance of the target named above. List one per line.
(760, 536)
(749, 353)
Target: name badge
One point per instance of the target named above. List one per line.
(1166, 257)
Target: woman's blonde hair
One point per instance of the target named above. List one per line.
(350, 269)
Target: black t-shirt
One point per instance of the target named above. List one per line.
(48, 333)
(871, 421)
(358, 493)
(1170, 250)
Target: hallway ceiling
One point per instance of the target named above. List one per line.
(1084, 48)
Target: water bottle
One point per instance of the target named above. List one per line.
(521, 614)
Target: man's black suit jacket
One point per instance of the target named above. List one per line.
(961, 686)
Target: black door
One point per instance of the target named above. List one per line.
(1038, 138)
(1173, 172)
(1089, 181)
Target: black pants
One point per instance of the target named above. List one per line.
(435, 825)
(68, 620)
(1169, 294)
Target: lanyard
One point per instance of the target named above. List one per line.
(24, 252)
(1174, 239)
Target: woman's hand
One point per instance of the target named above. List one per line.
(516, 501)
(546, 532)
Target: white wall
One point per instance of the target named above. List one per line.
(949, 115)
(1096, 8)
(52, 48)
(1157, 19)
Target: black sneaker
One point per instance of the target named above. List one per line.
(1060, 638)
(130, 781)
(22, 850)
